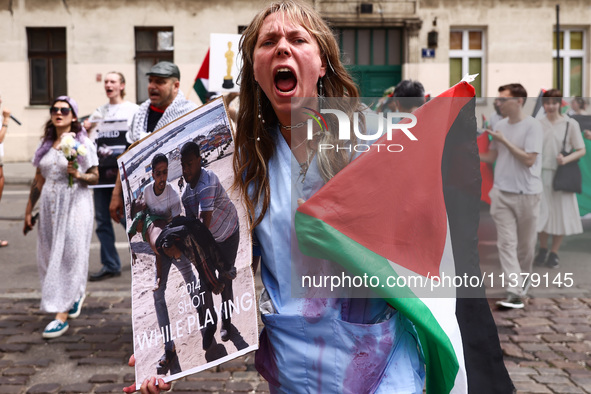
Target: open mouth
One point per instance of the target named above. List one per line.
(285, 80)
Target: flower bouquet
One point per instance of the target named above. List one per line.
(71, 150)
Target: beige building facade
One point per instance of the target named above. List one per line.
(51, 47)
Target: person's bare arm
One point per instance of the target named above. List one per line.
(116, 205)
(526, 158)
(90, 177)
(4, 128)
(36, 187)
(206, 217)
(576, 155)
(489, 157)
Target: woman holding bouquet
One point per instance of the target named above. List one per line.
(66, 164)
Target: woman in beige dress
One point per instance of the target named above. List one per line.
(559, 212)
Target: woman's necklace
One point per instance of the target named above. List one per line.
(305, 165)
(300, 144)
(304, 169)
(295, 126)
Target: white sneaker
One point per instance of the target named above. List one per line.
(511, 302)
(55, 329)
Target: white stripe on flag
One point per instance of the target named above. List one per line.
(442, 304)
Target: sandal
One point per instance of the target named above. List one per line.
(3, 243)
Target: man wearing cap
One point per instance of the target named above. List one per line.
(166, 103)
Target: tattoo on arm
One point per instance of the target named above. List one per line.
(35, 194)
(91, 176)
(35, 189)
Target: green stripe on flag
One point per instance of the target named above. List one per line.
(200, 90)
(320, 240)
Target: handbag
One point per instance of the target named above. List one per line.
(568, 176)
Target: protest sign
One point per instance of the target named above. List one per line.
(110, 143)
(193, 295)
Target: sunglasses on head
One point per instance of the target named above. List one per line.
(63, 111)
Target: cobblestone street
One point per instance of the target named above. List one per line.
(547, 349)
(547, 345)
(91, 357)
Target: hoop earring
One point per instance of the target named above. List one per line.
(320, 94)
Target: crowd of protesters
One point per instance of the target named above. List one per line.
(526, 151)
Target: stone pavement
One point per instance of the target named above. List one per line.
(91, 357)
(547, 345)
(547, 349)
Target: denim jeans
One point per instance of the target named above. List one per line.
(104, 230)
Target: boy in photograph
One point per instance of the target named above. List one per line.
(205, 198)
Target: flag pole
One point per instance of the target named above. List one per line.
(558, 81)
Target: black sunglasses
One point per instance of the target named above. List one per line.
(63, 111)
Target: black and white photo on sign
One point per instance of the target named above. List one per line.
(193, 296)
(110, 143)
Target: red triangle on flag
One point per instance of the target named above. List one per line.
(368, 203)
(204, 69)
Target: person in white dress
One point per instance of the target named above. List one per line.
(66, 215)
(116, 109)
(559, 211)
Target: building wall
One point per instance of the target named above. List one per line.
(100, 38)
(518, 40)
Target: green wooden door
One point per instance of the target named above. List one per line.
(373, 57)
(373, 80)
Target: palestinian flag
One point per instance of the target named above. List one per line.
(416, 213)
(486, 169)
(201, 85)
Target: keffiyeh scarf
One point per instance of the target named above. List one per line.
(179, 107)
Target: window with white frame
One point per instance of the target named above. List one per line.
(572, 61)
(466, 56)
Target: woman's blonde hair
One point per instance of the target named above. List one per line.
(254, 141)
(121, 80)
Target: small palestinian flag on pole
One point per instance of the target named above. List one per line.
(201, 85)
(416, 212)
(486, 169)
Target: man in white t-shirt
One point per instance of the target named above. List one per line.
(115, 109)
(160, 197)
(516, 193)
